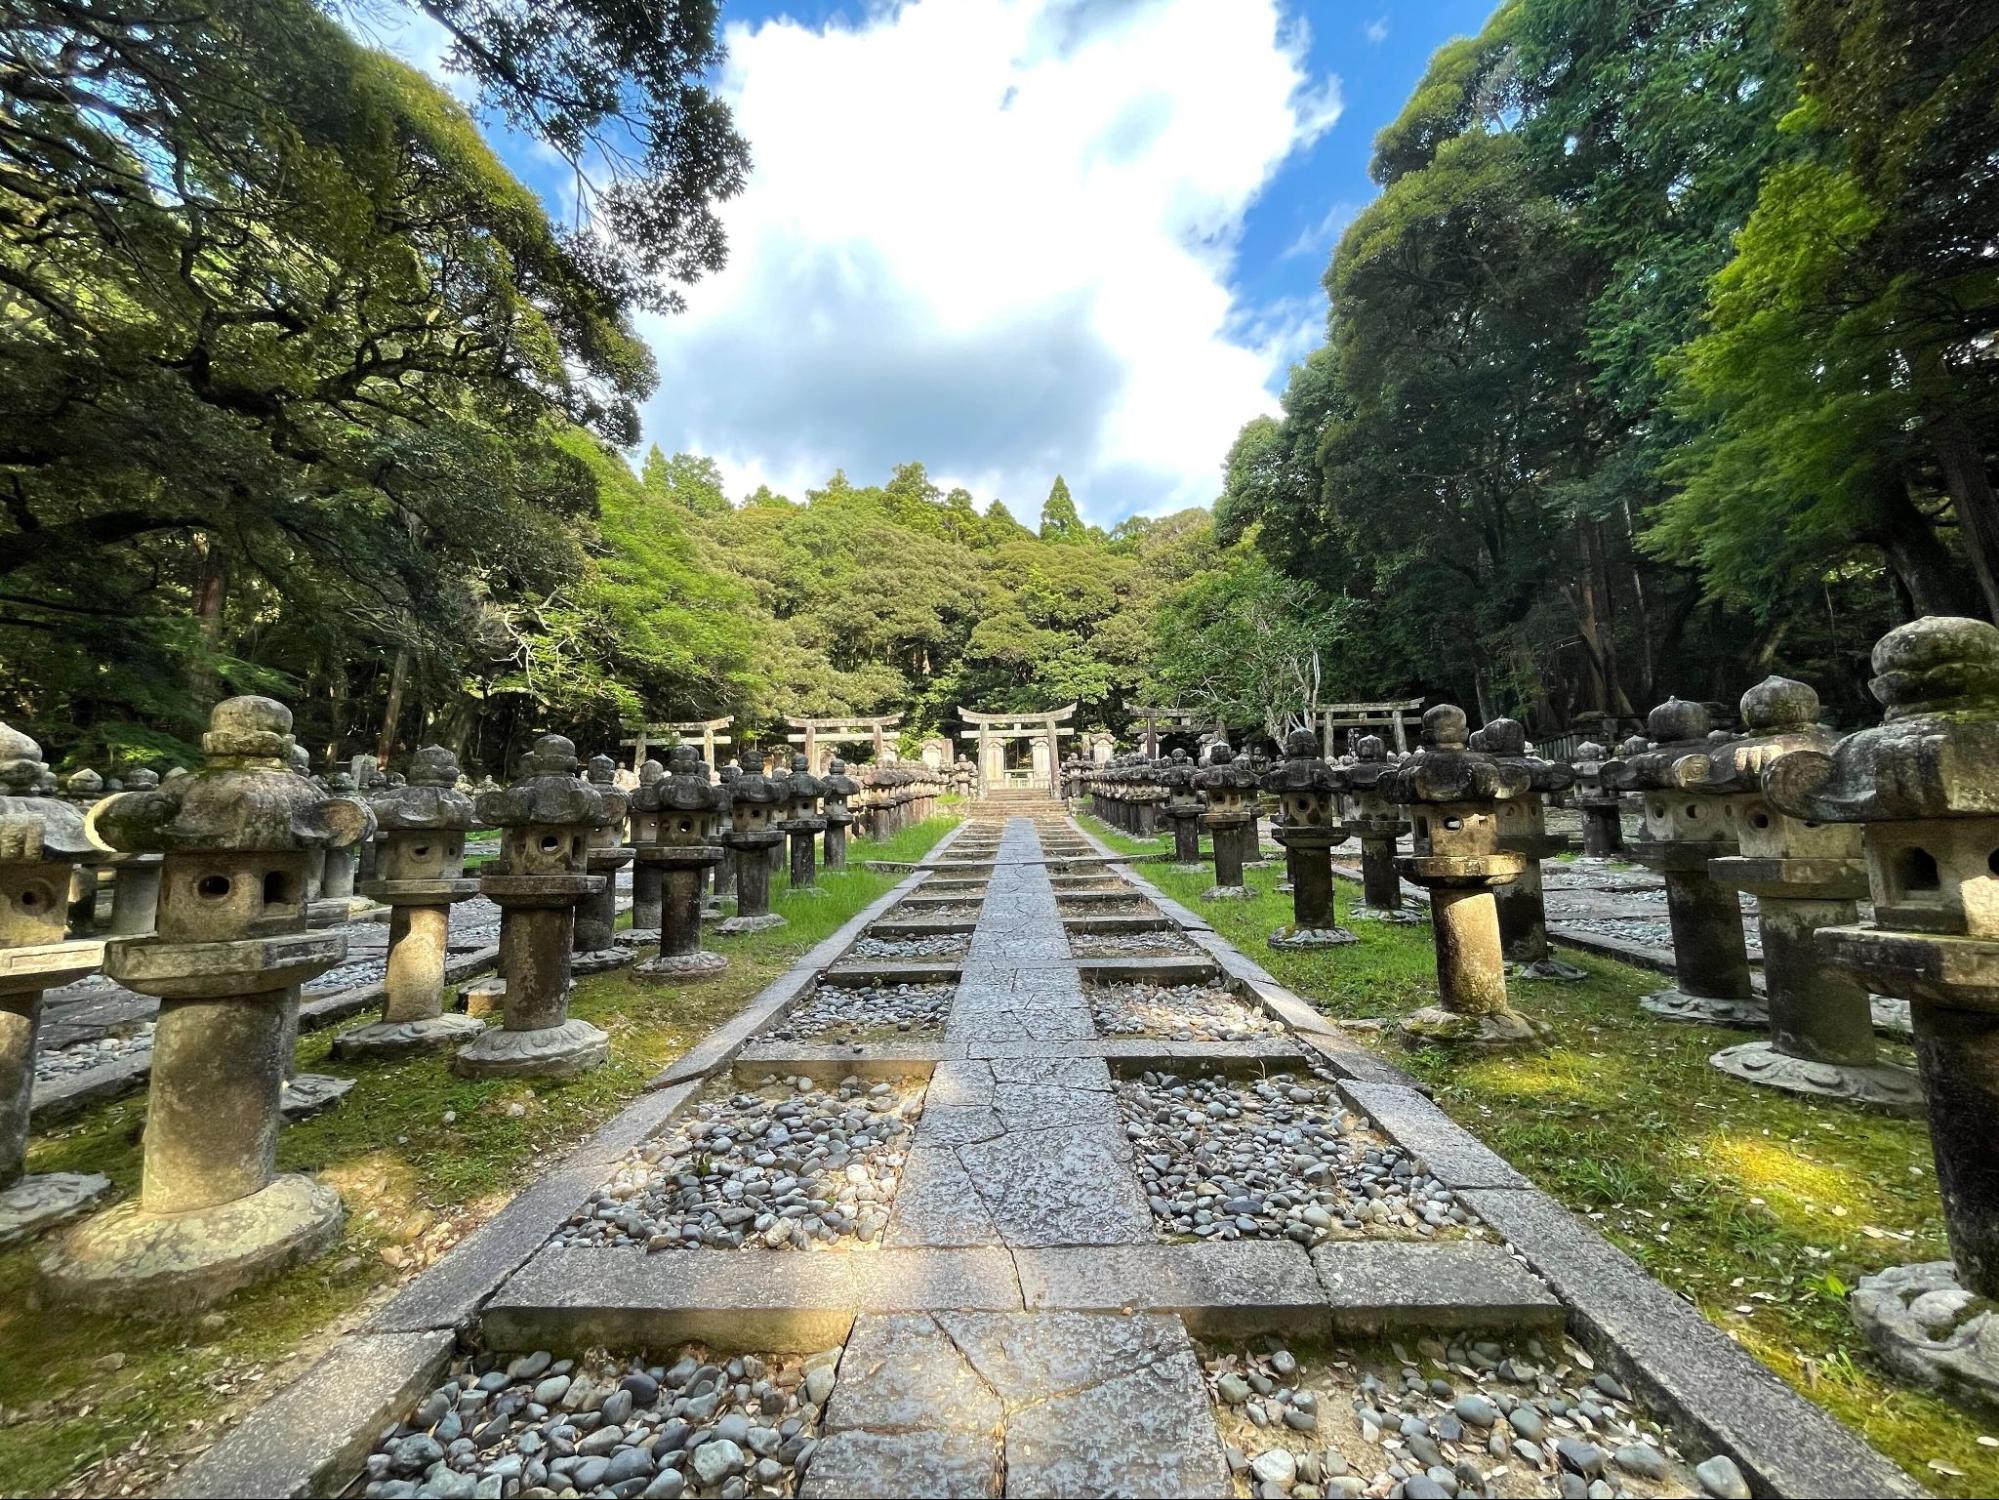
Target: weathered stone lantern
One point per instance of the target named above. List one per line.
(754, 801)
(41, 840)
(648, 876)
(1230, 787)
(595, 939)
(1307, 790)
(230, 951)
(1924, 786)
(83, 790)
(1182, 809)
(337, 898)
(1602, 810)
(804, 823)
(545, 820)
(837, 786)
(1453, 794)
(135, 878)
(1683, 831)
(420, 874)
(1806, 875)
(725, 819)
(683, 809)
(1523, 830)
(1376, 819)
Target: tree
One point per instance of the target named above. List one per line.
(1059, 521)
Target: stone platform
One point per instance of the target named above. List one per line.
(1026, 1310)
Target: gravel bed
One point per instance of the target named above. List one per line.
(933, 945)
(1180, 1012)
(839, 1013)
(1069, 885)
(1164, 943)
(1476, 1417)
(961, 911)
(791, 1165)
(81, 1057)
(1136, 907)
(704, 1425)
(1275, 1158)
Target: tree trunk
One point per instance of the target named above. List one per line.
(392, 710)
(1969, 483)
(1928, 579)
(211, 594)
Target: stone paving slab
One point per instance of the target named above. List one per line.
(1700, 1380)
(1218, 1290)
(1388, 1286)
(311, 1438)
(575, 1297)
(1455, 1156)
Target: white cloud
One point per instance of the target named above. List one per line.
(1376, 31)
(1318, 239)
(995, 235)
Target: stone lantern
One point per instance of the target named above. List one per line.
(420, 873)
(1307, 790)
(1182, 810)
(754, 802)
(1453, 794)
(595, 941)
(837, 786)
(681, 810)
(83, 790)
(725, 816)
(1376, 818)
(1684, 830)
(1806, 875)
(647, 876)
(337, 899)
(804, 823)
(41, 840)
(230, 951)
(545, 820)
(1602, 810)
(779, 776)
(1230, 787)
(1924, 786)
(135, 878)
(1523, 830)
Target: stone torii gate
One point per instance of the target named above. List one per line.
(1392, 716)
(809, 733)
(707, 731)
(1044, 732)
(1156, 719)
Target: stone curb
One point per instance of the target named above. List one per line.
(311, 1438)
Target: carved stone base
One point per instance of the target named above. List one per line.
(386, 1039)
(308, 1094)
(1489, 1031)
(35, 1205)
(334, 911)
(560, 1051)
(1311, 937)
(1227, 893)
(1284, 888)
(1883, 1086)
(700, 964)
(127, 1260)
(1547, 968)
(1402, 914)
(1931, 1330)
(1703, 1010)
(601, 961)
(637, 937)
(764, 923)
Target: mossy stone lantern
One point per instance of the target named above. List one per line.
(837, 787)
(754, 804)
(1308, 790)
(595, 939)
(1229, 786)
(681, 810)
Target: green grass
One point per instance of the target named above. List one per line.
(98, 1405)
(1759, 1207)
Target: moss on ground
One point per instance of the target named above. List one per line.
(1759, 1207)
(104, 1405)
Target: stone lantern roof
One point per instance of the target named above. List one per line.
(1780, 718)
(1302, 770)
(1674, 729)
(428, 799)
(1505, 740)
(751, 785)
(234, 802)
(1936, 752)
(1225, 771)
(545, 791)
(1449, 770)
(21, 777)
(1372, 769)
(684, 788)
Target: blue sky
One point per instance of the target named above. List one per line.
(1012, 238)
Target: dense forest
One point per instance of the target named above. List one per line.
(1663, 359)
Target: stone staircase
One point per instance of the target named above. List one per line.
(1002, 803)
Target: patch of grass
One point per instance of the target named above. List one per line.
(1759, 1207)
(99, 1405)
